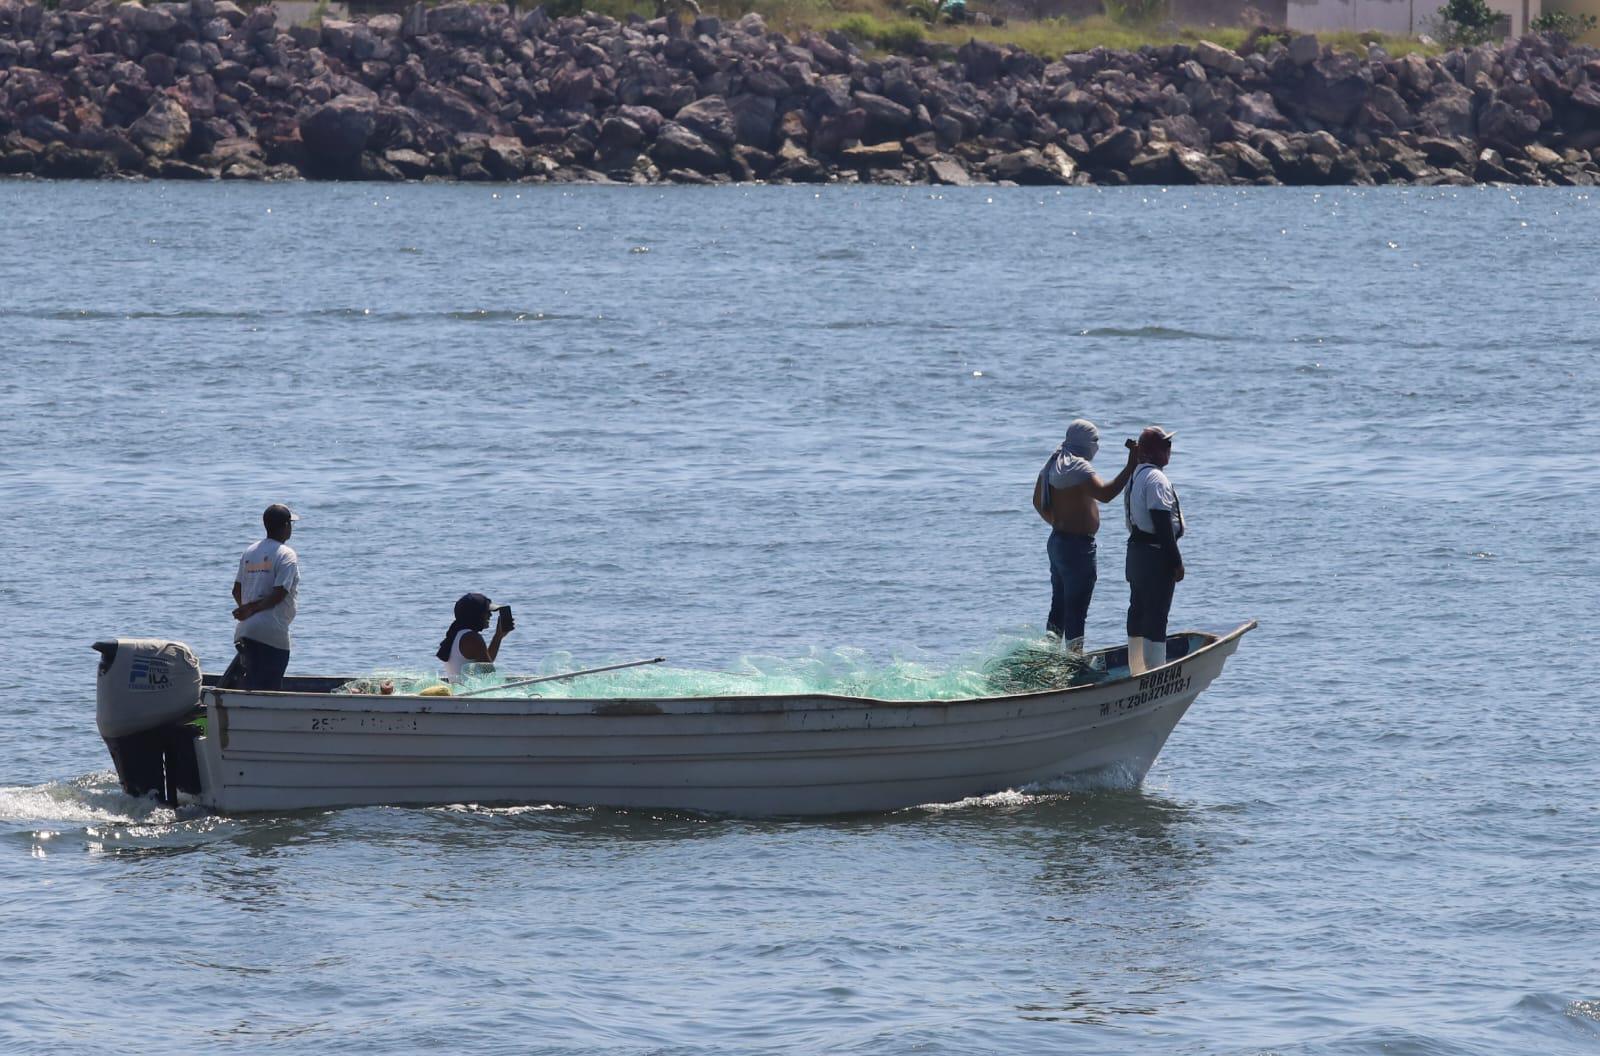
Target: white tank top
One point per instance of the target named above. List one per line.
(453, 666)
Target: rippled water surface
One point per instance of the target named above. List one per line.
(731, 424)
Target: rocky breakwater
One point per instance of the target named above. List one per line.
(205, 89)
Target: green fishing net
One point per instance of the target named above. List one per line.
(1014, 664)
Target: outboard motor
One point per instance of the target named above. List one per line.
(146, 696)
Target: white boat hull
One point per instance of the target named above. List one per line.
(760, 755)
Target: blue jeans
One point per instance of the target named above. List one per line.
(1072, 576)
(256, 665)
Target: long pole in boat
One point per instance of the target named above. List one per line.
(557, 678)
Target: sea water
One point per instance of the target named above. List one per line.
(763, 431)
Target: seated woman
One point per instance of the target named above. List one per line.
(463, 650)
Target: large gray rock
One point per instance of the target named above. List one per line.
(802, 169)
(837, 130)
(62, 162)
(1387, 102)
(619, 135)
(1216, 57)
(1258, 109)
(883, 112)
(1586, 97)
(414, 23)
(1543, 157)
(1502, 125)
(504, 157)
(1114, 149)
(336, 133)
(948, 171)
(876, 156)
(114, 142)
(647, 118)
(830, 95)
(462, 20)
(763, 80)
(449, 108)
(572, 87)
(411, 164)
(711, 119)
(384, 27)
(16, 162)
(1451, 152)
(751, 163)
(1449, 113)
(1182, 130)
(753, 119)
(163, 130)
(1244, 161)
(1032, 167)
(140, 19)
(1336, 88)
(173, 169)
(981, 60)
(1490, 168)
(677, 147)
(1193, 167)
(261, 22)
(337, 36)
(1413, 73)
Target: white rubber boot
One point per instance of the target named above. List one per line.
(1135, 656)
(1074, 646)
(1155, 654)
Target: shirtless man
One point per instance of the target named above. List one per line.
(1067, 495)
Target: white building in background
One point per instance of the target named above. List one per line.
(1403, 17)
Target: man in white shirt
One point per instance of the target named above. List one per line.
(264, 594)
(1154, 565)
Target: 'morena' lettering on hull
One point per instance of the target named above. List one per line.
(1154, 686)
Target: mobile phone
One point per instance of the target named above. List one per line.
(1130, 444)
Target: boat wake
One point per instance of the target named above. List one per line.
(1119, 778)
(92, 799)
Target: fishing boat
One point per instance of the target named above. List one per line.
(757, 755)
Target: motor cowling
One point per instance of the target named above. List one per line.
(146, 693)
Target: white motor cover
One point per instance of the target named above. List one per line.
(147, 684)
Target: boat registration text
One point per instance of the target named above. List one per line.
(1152, 687)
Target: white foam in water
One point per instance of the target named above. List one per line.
(499, 812)
(91, 799)
(1116, 777)
(991, 801)
(1119, 777)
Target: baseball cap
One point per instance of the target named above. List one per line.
(1154, 434)
(469, 605)
(278, 513)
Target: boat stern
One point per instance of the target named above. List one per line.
(147, 695)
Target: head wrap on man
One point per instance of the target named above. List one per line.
(1071, 463)
(472, 612)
